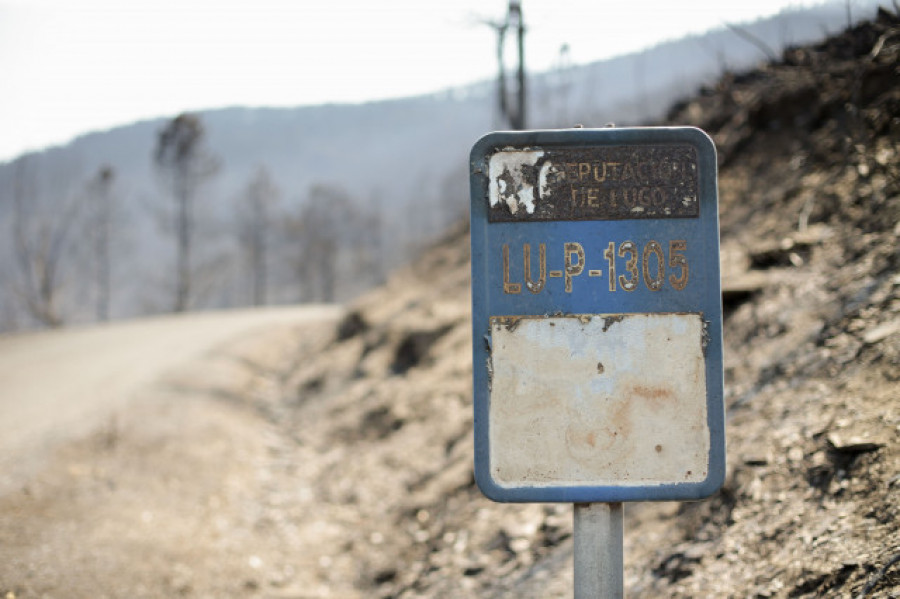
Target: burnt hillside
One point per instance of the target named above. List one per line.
(810, 214)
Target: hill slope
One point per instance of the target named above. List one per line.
(810, 201)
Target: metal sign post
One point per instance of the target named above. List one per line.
(597, 326)
(599, 536)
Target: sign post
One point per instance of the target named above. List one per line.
(597, 333)
(599, 537)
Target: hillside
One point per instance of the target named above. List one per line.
(810, 206)
(340, 465)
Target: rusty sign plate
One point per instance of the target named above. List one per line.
(597, 315)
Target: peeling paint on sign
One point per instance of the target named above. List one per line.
(510, 173)
(615, 182)
(617, 398)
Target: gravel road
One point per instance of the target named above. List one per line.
(58, 385)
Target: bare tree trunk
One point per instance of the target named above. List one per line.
(501, 75)
(255, 220)
(259, 273)
(39, 244)
(756, 41)
(181, 156)
(104, 271)
(515, 115)
(326, 266)
(102, 234)
(519, 123)
(183, 271)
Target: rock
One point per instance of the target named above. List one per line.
(853, 444)
(756, 459)
(882, 331)
(351, 325)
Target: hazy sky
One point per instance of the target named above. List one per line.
(72, 66)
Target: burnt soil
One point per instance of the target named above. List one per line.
(364, 485)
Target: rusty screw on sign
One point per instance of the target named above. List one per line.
(597, 326)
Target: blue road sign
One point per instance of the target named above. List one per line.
(597, 316)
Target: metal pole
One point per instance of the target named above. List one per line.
(599, 534)
(520, 114)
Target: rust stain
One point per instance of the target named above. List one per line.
(656, 396)
(584, 438)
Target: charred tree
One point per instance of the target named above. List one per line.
(40, 241)
(184, 163)
(103, 207)
(255, 221)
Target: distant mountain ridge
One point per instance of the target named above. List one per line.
(404, 158)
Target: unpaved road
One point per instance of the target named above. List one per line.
(57, 385)
(136, 458)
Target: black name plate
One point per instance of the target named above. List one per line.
(593, 183)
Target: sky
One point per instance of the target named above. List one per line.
(68, 67)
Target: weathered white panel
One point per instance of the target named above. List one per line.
(598, 399)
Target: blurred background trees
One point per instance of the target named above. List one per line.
(256, 214)
(254, 206)
(103, 220)
(184, 164)
(40, 241)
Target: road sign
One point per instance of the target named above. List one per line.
(597, 315)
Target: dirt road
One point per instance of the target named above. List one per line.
(130, 454)
(57, 385)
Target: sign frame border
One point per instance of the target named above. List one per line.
(479, 223)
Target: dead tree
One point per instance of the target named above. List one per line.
(102, 208)
(512, 112)
(762, 46)
(184, 163)
(255, 220)
(317, 233)
(517, 115)
(335, 241)
(40, 242)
